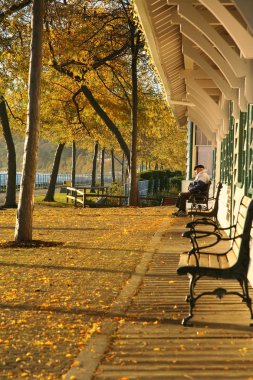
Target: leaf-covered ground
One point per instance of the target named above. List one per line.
(54, 298)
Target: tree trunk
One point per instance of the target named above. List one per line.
(94, 167)
(113, 166)
(103, 168)
(10, 199)
(133, 199)
(73, 172)
(123, 170)
(112, 127)
(23, 229)
(52, 184)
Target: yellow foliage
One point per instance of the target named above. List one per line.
(62, 292)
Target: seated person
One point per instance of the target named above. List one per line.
(200, 183)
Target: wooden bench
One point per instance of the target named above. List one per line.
(168, 201)
(232, 264)
(80, 196)
(211, 212)
(199, 200)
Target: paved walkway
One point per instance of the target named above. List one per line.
(147, 341)
(142, 338)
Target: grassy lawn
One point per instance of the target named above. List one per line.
(53, 298)
(60, 200)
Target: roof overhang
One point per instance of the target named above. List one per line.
(203, 52)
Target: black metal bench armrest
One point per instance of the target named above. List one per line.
(197, 248)
(201, 234)
(207, 222)
(195, 252)
(198, 234)
(233, 238)
(192, 226)
(227, 228)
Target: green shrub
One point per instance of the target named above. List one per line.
(175, 184)
(163, 180)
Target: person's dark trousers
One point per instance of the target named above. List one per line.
(181, 200)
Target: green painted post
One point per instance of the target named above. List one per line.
(190, 149)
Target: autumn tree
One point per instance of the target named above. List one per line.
(160, 140)
(10, 199)
(92, 54)
(102, 175)
(136, 45)
(23, 230)
(49, 197)
(8, 35)
(90, 59)
(9, 9)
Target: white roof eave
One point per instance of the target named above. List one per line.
(146, 22)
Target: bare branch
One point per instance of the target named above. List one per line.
(12, 114)
(108, 88)
(78, 110)
(121, 84)
(14, 8)
(62, 86)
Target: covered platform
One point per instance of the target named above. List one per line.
(203, 53)
(147, 340)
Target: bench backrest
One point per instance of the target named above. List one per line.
(200, 196)
(205, 194)
(216, 197)
(241, 246)
(208, 188)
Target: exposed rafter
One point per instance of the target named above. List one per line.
(205, 54)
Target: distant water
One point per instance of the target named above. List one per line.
(42, 179)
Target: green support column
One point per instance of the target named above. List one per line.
(190, 150)
(249, 183)
(214, 164)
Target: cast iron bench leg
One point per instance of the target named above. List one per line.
(191, 299)
(247, 298)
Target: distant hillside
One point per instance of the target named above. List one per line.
(46, 156)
